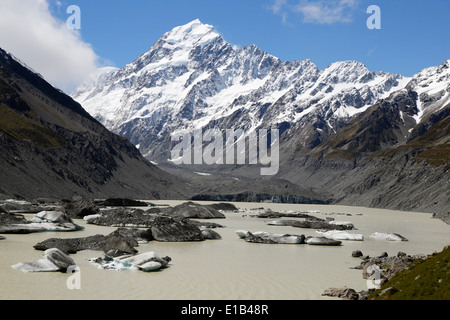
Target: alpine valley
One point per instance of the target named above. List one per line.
(348, 135)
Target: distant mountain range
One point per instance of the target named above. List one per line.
(350, 135)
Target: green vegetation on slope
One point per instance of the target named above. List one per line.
(427, 279)
(23, 128)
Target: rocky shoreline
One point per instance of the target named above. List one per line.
(377, 271)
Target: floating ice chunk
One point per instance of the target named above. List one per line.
(388, 236)
(341, 235)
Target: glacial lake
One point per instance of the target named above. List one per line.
(227, 269)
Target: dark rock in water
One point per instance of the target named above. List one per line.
(343, 293)
(114, 241)
(357, 254)
(223, 206)
(211, 234)
(122, 202)
(2, 238)
(167, 229)
(195, 210)
(78, 209)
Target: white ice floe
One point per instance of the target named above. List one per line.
(341, 235)
(388, 236)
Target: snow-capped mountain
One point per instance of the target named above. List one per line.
(353, 135)
(192, 78)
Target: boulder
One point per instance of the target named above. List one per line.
(211, 234)
(357, 254)
(342, 293)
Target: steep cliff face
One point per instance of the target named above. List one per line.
(51, 147)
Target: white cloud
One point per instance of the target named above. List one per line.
(30, 32)
(318, 11)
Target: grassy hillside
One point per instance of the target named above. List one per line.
(423, 280)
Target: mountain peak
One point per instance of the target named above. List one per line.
(191, 32)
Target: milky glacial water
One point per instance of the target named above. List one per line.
(227, 269)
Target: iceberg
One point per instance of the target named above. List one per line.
(388, 236)
(341, 235)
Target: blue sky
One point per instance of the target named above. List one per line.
(413, 35)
